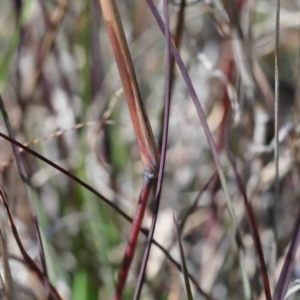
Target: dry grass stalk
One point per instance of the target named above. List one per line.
(144, 135)
(147, 146)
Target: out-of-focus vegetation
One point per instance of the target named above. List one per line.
(63, 96)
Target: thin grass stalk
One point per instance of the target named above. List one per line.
(203, 120)
(145, 139)
(54, 48)
(281, 289)
(177, 38)
(276, 154)
(254, 230)
(19, 161)
(248, 208)
(47, 43)
(195, 203)
(192, 208)
(133, 235)
(288, 266)
(105, 200)
(199, 109)
(24, 177)
(100, 124)
(183, 263)
(167, 100)
(70, 175)
(148, 150)
(43, 258)
(28, 260)
(163, 153)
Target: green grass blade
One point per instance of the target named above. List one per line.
(80, 286)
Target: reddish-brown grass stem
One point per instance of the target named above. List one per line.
(144, 136)
(148, 149)
(163, 154)
(132, 239)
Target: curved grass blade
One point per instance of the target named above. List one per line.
(112, 205)
(200, 112)
(254, 230)
(204, 123)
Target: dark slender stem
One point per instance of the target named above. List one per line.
(202, 118)
(287, 269)
(254, 230)
(189, 294)
(43, 258)
(195, 204)
(177, 38)
(62, 170)
(109, 203)
(28, 260)
(24, 177)
(162, 157)
(132, 239)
